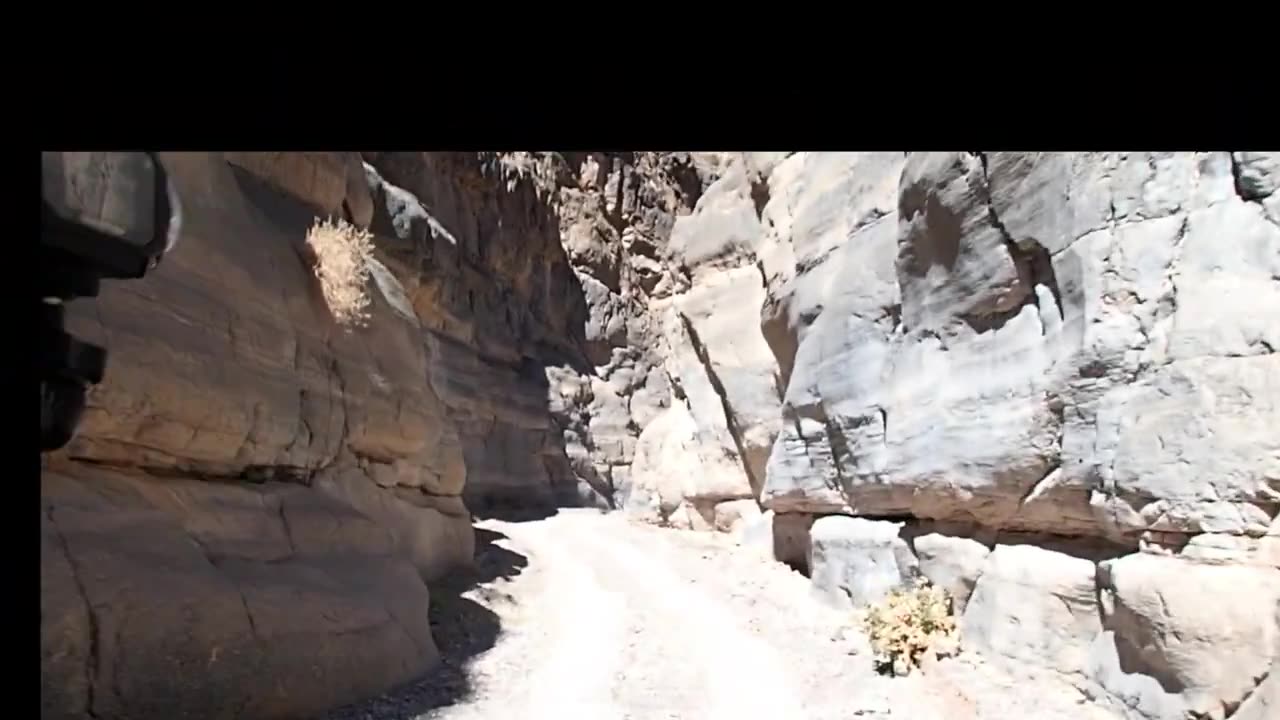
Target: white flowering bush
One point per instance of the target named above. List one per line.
(909, 625)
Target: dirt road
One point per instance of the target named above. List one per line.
(587, 615)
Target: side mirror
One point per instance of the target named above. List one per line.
(115, 214)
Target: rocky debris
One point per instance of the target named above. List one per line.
(1140, 633)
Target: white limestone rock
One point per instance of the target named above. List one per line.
(952, 563)
(856, 561)
(1033, 606)
(1184, 638)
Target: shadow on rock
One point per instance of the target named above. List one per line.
(462, 628)
(492, 561)
(512, 511)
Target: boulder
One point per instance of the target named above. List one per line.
(856, 561)
(756, 535)
(952, 563)
(1033, 606)
(1186, 638)
(732, 516)
(672, 466)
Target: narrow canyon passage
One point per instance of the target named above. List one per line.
(590, 615)
(1045, 382)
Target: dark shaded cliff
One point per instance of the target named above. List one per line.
(259, 496)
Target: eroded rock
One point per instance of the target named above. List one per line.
(1032, 605)
(858, 561)
(1185, 638)
(952, 563)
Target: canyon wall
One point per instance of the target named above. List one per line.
(258, 498)
(1048, 382)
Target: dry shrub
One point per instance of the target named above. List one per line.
(341, 253)
(909, 625)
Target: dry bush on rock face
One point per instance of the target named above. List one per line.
(909, 625)
(342, 252)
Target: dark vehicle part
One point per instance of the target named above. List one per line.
(110, 215)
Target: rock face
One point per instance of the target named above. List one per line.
(246, 439)
(1170, 621)
(184, 598)
(716, 437)
(302, 480)
(1076, 352)
(1045, 381)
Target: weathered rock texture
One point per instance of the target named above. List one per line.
(302, 471)
(187, 598)
(1048, 382)
(1040, 363)
(246, 521)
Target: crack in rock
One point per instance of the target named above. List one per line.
(93, 660)
(734, 431)
(284, 521)
(244, 601)
(1034, 266)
